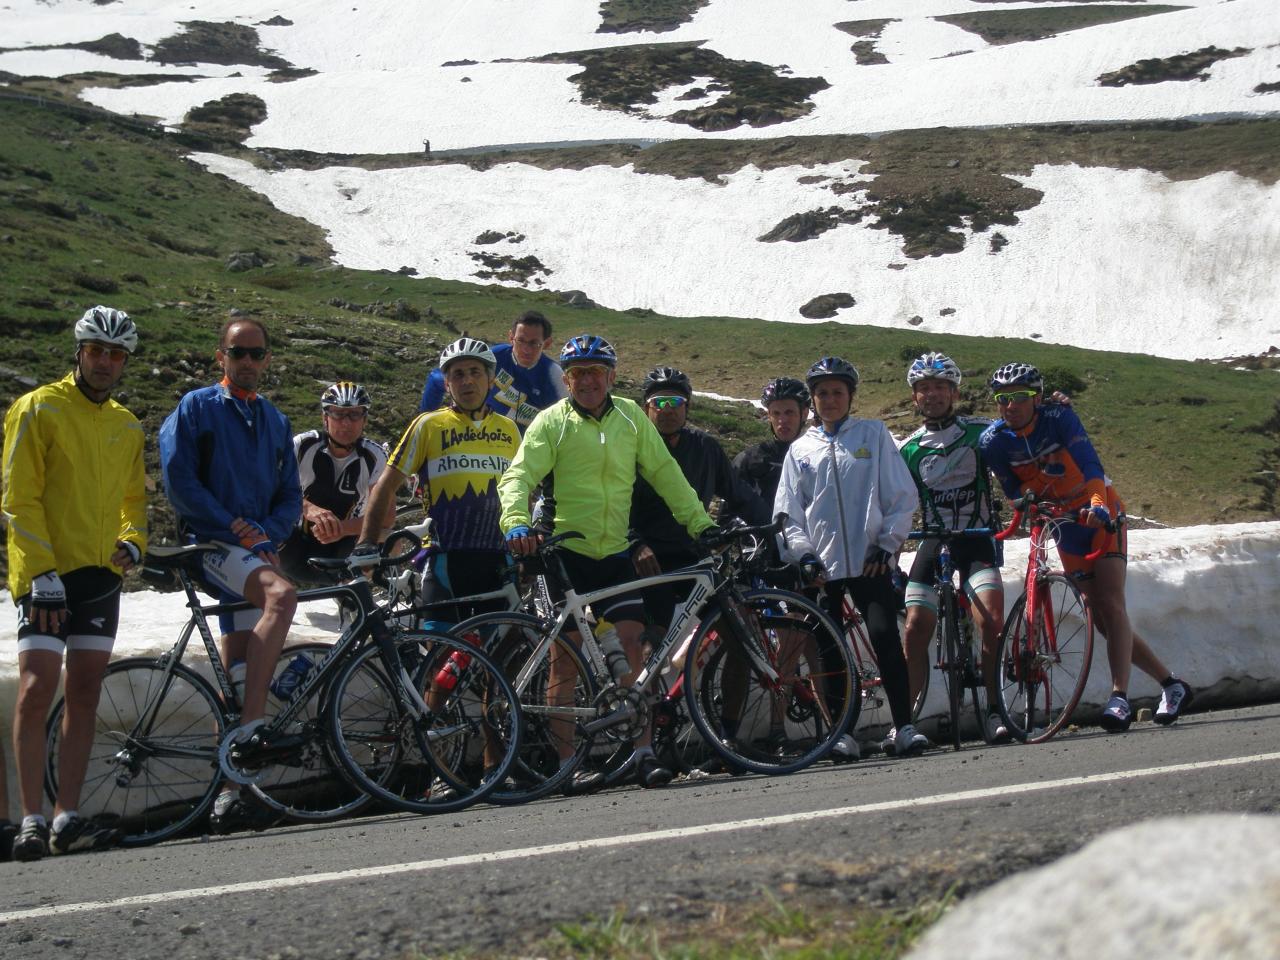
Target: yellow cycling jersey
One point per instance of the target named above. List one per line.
(458, 462)
(73, 482)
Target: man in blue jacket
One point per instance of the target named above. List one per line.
(527, 379)
(231, 475)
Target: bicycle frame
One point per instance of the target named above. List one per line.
(365, 624)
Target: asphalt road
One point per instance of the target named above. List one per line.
(880, 831)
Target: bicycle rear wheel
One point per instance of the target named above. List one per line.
(764, 725)
(556, 694)
(432, 763)
(308, 783)
(1044, 665)
(153, 770)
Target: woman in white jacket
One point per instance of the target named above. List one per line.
(849, 499)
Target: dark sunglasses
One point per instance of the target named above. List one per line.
(239, 353)
(668, 403)
(96, 350)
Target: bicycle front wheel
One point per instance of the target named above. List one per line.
(1044, 663)
(306, 783)
(153, 763)
(557, 696)
(433, 762)
(752, 720)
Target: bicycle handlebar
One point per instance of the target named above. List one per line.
(941, 533)
(1029, 506)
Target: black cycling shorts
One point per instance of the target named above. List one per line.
(965, 552)
(93, 599)
(587, 575)
(461, 573)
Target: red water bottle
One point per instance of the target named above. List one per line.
(452, 670)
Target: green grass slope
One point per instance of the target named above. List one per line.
(95, 208)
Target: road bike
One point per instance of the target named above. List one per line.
(384, 713)
(1046, 647)
(766, 676)
(954, 656)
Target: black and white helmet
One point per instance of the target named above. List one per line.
(832, 367)
(933, 366)
(107, 325)
(785, 388)
(345, 393)
(666, 379)
(468, 347)
(1017, 375)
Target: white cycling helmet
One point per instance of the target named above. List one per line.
(1016, 375)
(468, 347)
(107, 325)
(933, 366)
(345, 393)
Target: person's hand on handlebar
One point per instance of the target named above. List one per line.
(1096, 516)
(365, 557)
(522, 542)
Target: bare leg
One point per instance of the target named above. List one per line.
(38, 672)
(272, 593)
(921, 623)
(84, 683)
(1105, 595)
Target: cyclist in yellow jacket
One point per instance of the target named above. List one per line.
(75, 505)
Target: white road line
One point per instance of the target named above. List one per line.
(498, 856)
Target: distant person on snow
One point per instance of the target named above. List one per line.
(527, 380)
(1042, 449)
(75, 505)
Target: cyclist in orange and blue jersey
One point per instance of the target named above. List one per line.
(1042, 449)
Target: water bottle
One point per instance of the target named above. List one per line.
(457, 663)
(292, 676)
(451, 672)
(615, 658)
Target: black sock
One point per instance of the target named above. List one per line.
(1169, 681)
(1120, 693)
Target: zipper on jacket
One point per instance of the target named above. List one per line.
(835, 470)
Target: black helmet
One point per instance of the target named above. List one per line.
(832, 367)
(669, 379)
(784, 388)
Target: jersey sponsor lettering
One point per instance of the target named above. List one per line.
(458, 462)
(950, 475)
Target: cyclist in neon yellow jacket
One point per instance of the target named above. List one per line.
(594, 444)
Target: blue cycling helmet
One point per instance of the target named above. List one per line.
(1017, 375)
(588, 348)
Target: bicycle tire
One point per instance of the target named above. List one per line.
(432, 764)
(952, 662)
(310, 784)
(1041, 681)
(546, 733)
(137, 780)
(812, 705)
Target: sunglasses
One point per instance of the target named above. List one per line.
(668, 403)
(350, 415)
(1013, 396)
(97, 350)
(586, 370)
(239, 353)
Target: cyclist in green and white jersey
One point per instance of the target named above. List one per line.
(955, 494)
